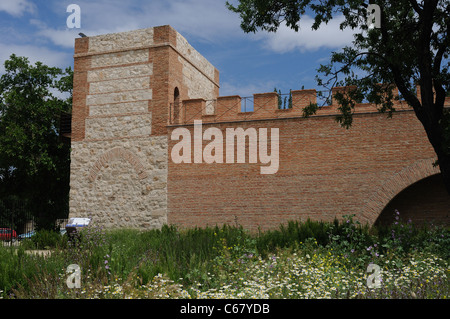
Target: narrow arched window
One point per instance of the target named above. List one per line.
(176, 106)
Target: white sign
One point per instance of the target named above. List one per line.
(78, 222)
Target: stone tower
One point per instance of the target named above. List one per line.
(126, 88)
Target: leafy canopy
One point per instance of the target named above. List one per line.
(34, 163)
(409, 49)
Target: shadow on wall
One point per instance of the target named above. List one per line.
(425, 201)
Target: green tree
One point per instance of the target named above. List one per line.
(409, 48)
(34, 162)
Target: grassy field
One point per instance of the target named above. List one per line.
(298, 260)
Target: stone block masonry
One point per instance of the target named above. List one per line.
(123, 85)
(121, 182)
(133, 89)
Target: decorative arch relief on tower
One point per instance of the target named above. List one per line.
(115, 153)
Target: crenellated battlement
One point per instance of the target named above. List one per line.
(267, 106)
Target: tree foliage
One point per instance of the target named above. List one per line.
(410, 49)
(34, 162)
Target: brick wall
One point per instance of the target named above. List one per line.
(325, 171)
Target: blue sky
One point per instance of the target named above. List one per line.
(248, 63)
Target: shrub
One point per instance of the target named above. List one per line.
(292, 235)
(45, 239)
(402, 238)
(350, 235)
(228, 260)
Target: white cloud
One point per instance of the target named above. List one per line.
(35, 54)
(205, 20)
(63, 38)
(246, 90)
(16, 7)
(306, 39)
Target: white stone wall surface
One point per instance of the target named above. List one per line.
(120, 183)
(121, 40)
(119, 171)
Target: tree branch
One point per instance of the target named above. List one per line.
(416, 6)
(400, 82)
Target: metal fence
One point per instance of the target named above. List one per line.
(16, 222)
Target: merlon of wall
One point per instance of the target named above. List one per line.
(266, 106)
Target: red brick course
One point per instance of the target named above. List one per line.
(325, 171)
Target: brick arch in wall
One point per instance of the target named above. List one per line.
(117, 153)
(178, 93)
(394, 185)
